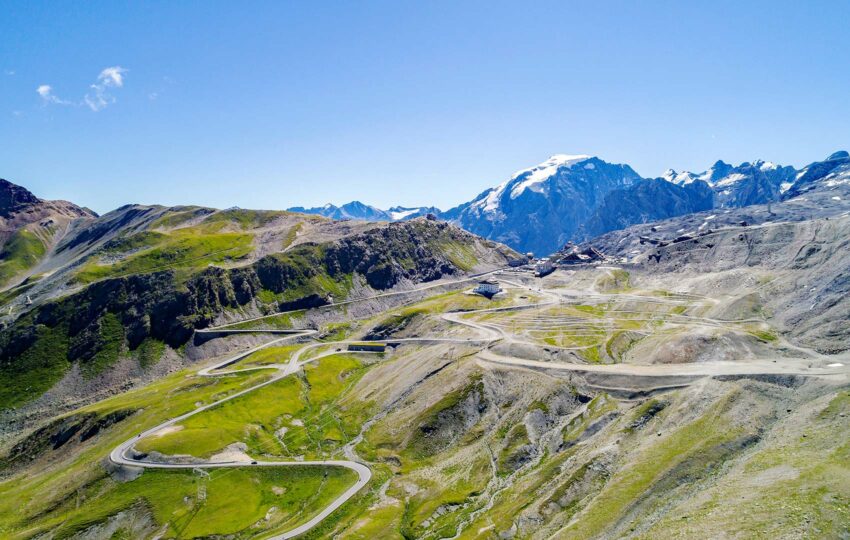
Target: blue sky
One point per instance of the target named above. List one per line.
(270, 105)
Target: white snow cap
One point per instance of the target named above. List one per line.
(765, 165)
(540, 173)
(491, 202)
(680, 178)
(733, 178)
(401, 214)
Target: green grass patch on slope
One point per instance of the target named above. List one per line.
(461, 255)
(149, 352)
(38, 498)
(330, 417)
(596, 408)
(292, 416)
(280, 321)
(244, 219)
(291, 235)
(110, 346)
(185, 250)
(510, 456)
(21, 252)
(228, 502)
(38, 368)
(699, 438)
(797, 488)
(252, 418)
(267, 356)
(421, 511)
(133, 242)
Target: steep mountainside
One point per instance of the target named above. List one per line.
(830, 173)
(30, 228)
(136, 238)
(822, 191)
(645, 201)
(799, 246)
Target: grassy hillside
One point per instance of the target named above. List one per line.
(71, 491)
(157, 287)
(223, 237)
(22, 251)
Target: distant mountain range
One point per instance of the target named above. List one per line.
(358, 210)
(577, 197)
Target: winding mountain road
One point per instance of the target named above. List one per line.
(119, 454)
(490, 334)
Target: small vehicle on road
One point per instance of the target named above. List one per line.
(253, 463)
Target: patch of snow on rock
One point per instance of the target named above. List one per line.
(731, 179)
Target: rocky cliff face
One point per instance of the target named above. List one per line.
(14, 198)
(747, 184)
(832, 172)
(646, 201)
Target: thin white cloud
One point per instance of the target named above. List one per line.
(112, 76)
(9, 72)
(98, 97)
(47, 95)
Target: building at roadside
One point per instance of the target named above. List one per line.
(544, 267)
(488, 288)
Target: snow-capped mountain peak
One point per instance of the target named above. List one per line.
(748, 183)
(556, 195)
(490, 203)
(531, 178)
(679, 178)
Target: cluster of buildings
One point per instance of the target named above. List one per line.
(571, 254)
(540, 267)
